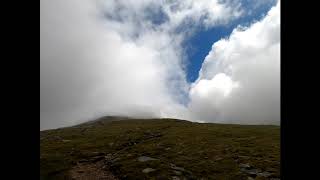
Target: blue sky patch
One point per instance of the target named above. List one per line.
(199, 45)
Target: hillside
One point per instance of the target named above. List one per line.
(122, 148)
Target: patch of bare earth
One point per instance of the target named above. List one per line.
(91, 171)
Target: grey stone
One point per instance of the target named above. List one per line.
(108, 156)
(175, 178)
(83, 161)
(148, 170)
(264, 174)
(116, 159)
(251, 171)
(110, 159)
(244, 165)
(244, 157)
(145, 158)
(177, 172)
(173, 166)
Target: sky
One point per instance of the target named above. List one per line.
(200, 43)
(205, 61)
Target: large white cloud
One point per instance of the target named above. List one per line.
(113, 57)
(239, 81)
(125, 57)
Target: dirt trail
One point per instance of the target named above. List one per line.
(91, 171)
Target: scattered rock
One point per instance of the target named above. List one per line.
(244, 165)
(72, 152)
(83, 161)
(148, 170)
(110, 159)
(264, 174)
(178, 173)
(251, 171)
(274, 178)
(105, 167)
(111, 144)
(175, 178)
(167, 149)
(145, 158)
(65, 140)
(116, 159)
(108, 156)
(173, 166)
(148, 134)
(244, 157)
(250, 178)
(90, 171)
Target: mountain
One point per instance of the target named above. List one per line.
(126, 148)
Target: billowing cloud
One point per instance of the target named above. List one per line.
(125, 57)
(239, 81)
(117, 57)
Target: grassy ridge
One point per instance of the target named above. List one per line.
(209, 151)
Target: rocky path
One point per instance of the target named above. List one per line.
(91, 171)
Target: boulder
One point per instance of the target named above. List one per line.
(148, 170)
(244, 165)
(173, 166)
(145, 158)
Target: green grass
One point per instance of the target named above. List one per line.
(211, 151)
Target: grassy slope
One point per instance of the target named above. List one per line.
(212, 151)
